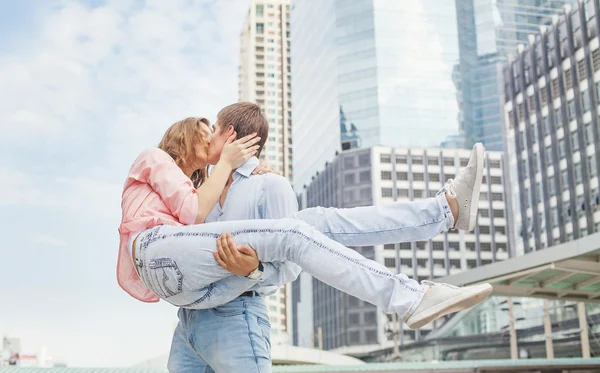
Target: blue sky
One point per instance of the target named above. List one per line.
(86, 85)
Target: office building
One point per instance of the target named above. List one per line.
(551, 116)
(388, 65)
(360, 177)
(489, 31)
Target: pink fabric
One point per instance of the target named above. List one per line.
(156, 192)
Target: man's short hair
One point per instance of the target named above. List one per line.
(246, 118)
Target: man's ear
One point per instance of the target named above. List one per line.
(230, 130)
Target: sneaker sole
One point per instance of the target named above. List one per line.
(467, 299)
(477, 187)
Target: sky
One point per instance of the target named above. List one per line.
(84, 87)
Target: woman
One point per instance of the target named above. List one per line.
(162, 233)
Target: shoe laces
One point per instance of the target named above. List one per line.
(451, 188)
(442, 284)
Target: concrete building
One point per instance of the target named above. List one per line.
(551, 116)
(362, 57)
(376, 175)
(264, 78)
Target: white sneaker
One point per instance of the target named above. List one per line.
(465, 189)
(442, 299)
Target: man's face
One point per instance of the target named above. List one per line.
(217, 142)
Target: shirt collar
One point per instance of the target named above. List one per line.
(247, 168)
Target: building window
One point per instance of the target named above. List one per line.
(385, 158)
(578, 175)
(349, 162)
(417, 159)
(364, 160)
(434, 177)
(574, 141)
(401, 158)
(260, 10)
(498, 213)
(417, 193)
(386, 175)
(365, 193)
(402, 175)
(386, 192)
(260, 28)
(561, 148)
(448, 161)
(349, 179)
(484, 229)
(418, 176)
(402, 193)
(371, 336)
(571, 109)
(592, 165)
(353, 318)
(559, 119)
(585, 101)
(589, 133)
(365, 176)
(433, 161)
(389, 246)
(565, 179)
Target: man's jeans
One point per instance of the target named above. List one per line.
(230, 338)
(305, 239)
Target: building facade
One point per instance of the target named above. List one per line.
(489, 31)
(376, 175)
(551, 115)
(264, 78)
(357, 57)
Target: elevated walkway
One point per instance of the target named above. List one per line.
(569, 271)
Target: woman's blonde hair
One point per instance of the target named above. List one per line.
(180, 140)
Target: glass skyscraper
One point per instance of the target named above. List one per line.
(489, 31)
(387, 64)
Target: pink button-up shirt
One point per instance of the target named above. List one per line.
(156, 192)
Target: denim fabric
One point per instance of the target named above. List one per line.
(225, 339)
(177, 263)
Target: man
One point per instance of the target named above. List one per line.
(236, 337)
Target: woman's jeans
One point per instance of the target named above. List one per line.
(177, 262)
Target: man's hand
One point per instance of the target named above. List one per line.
(239, 260)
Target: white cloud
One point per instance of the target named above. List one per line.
(47, 240)
(78, 101)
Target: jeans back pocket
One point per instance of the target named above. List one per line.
(165, 277)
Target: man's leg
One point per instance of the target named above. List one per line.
(183, 358)
(234, 337)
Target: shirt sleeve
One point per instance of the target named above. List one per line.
(177, 191)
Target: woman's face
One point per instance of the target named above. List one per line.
(201, 148)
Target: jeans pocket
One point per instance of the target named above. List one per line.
(265, 327)
(166, 278)
(229, 309)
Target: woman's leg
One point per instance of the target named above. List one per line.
(405, 221)
(382, 224)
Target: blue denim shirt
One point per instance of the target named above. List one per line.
(268, 196)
